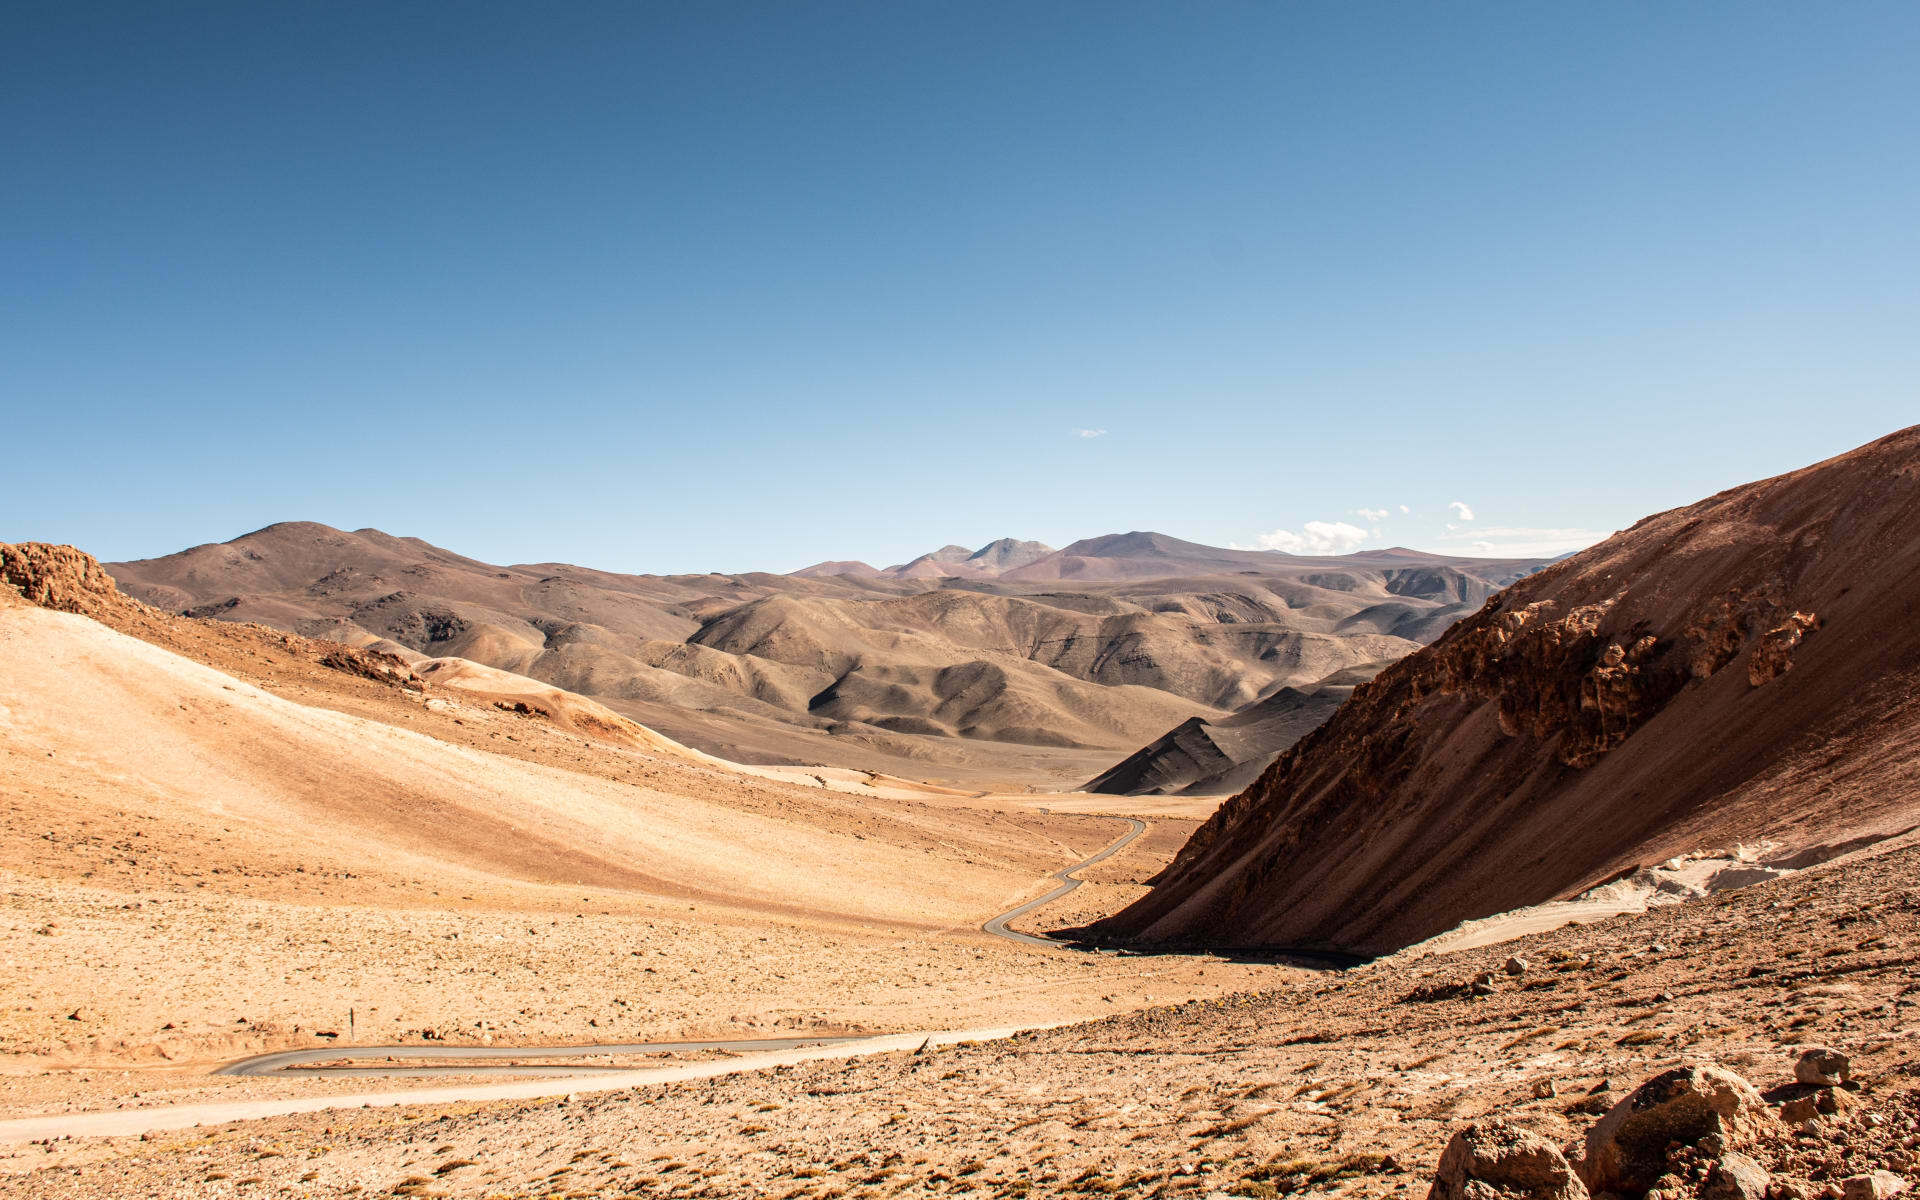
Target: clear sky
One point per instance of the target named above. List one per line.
(690, 286)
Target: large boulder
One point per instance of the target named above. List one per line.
(1627, 1149)
(1493, 1160)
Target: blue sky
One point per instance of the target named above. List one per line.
(730, 286)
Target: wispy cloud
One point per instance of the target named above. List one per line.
(1089, 433)
(1375, 515)
(1461, 510)
(1315, 537)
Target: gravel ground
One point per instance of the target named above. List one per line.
(1344, 1084)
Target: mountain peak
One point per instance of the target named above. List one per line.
(1007, 553)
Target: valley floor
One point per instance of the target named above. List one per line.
(1347, 1083)
(218, 841)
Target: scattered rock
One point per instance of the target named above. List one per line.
(1820, 1066)
(1668, 1187)
(1545, 1088)
(1736, 1177)
(1825, 1102)
(1517, 966)
(1627, 1151)
(1875, 1185)
(1492, 1160)
(1773, 655)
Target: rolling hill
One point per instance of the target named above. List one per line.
(1009, 663)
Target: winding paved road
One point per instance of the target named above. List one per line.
(998, 926)
(126, 1122)
(273, 1064)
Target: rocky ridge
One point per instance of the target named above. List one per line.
(1552, 739)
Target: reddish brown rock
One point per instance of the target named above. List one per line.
(1628, 1150)
(57, 577)
(1773, 654)
(1820, 1066)
(1494, 1160)
(1874, 1185)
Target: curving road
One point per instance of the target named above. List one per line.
(290, 1060)
(753, 1055)
(127, 1122)
(998, 926)
(306, 1061)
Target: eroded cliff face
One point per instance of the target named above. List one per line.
(1577, 723)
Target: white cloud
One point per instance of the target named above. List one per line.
(1315, 537)
(1461, 510)
(1523, 541)
(1089, 433)
(1376, 515)
(1404, 510)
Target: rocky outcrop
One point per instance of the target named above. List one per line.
(58, 577)
(1774, 655)
(65, 579)
(1590, 719)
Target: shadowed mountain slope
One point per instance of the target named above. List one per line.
(1743, 670)
(1220, 757)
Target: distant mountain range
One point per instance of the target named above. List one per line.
(1118, 556)
(948, 562)
(1011, 662)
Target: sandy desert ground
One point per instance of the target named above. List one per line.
(239, 849)
(1341, 1083)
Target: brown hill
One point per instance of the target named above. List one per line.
(1743, 670)
(838, 566)
(241, 820)
(967, 674)
(1008, 553)
(958, 562)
